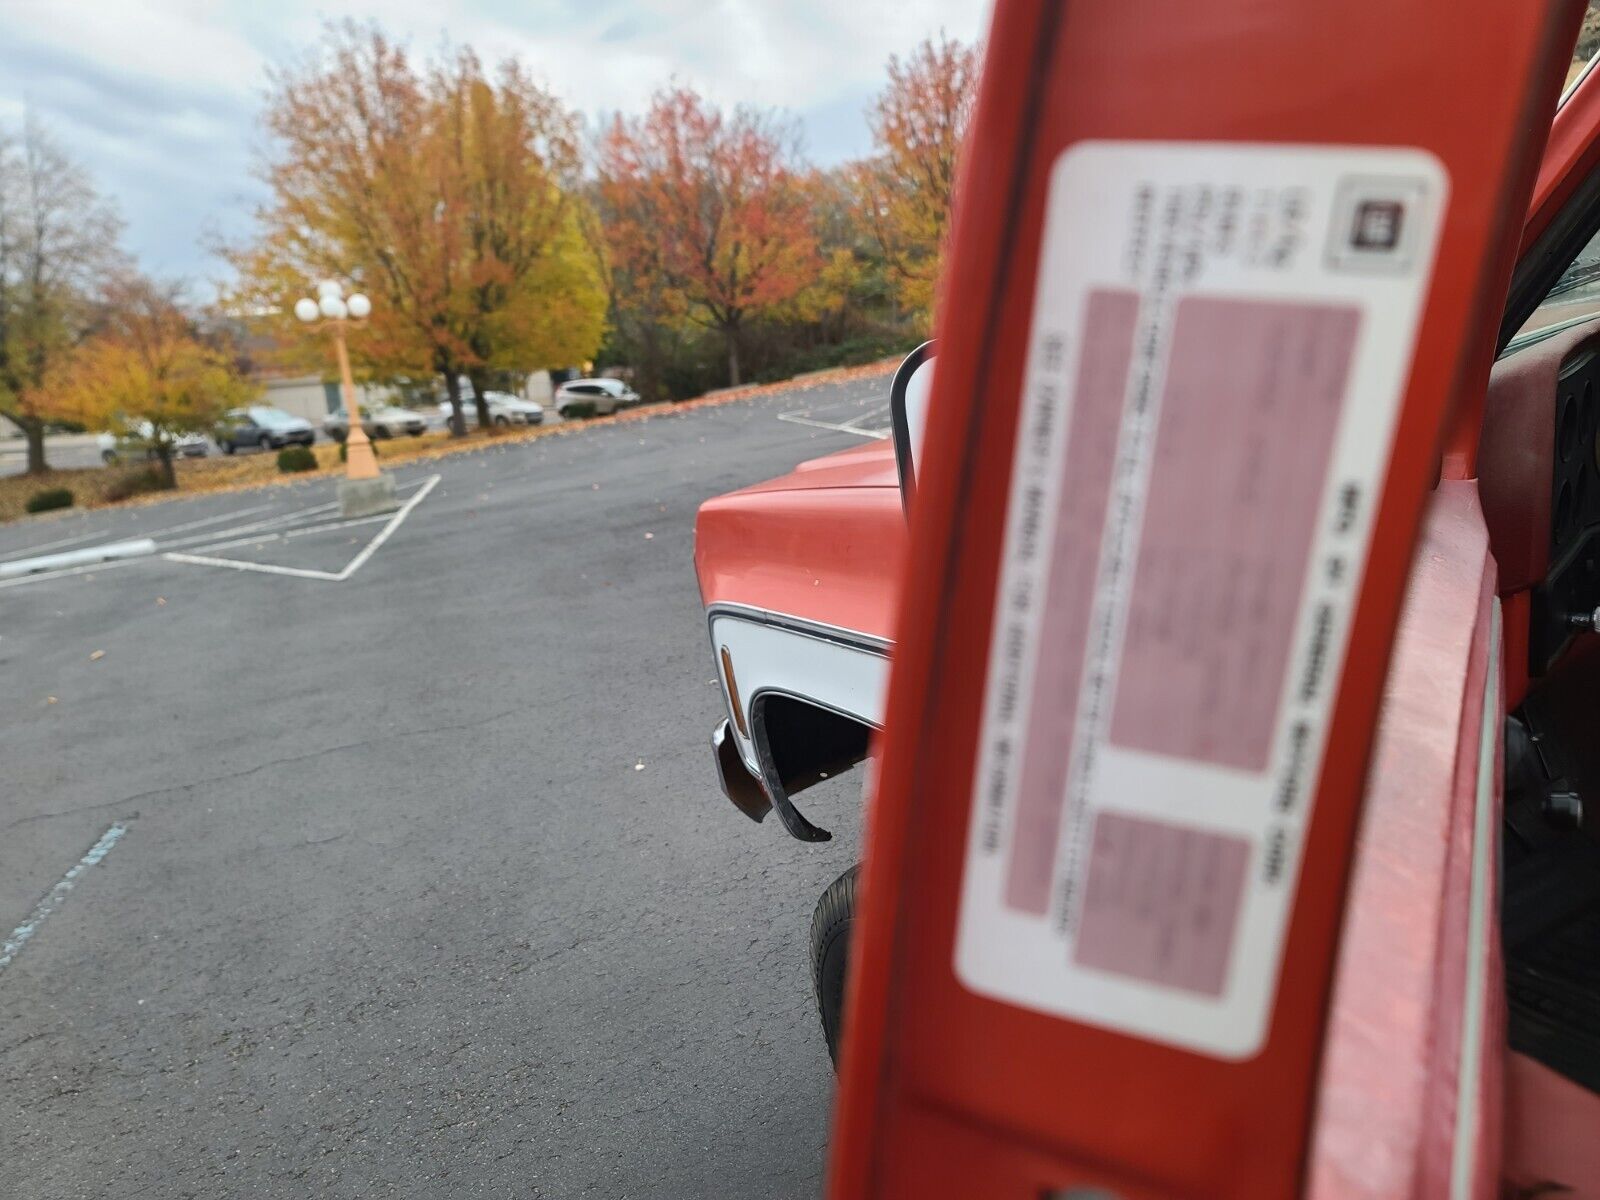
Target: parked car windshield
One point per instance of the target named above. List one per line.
(272, 418)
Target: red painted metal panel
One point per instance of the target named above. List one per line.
(1568, 150)
(1551, 1148)
(945, 1093)
(1388, 1087)
(827, 554)
(1571, 153)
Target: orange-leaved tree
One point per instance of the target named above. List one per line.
(446, 195)
(709, 211)
(904, 190)
(148, 372)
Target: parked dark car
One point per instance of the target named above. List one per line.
(263, 426)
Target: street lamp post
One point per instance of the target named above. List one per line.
(364, 488)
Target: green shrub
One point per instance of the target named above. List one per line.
(344, 453)
(578, 410)
(50, 498)
(296, 458)
(137, 483)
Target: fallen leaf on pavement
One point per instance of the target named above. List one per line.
(97, 655)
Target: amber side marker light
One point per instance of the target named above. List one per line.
(733, 693)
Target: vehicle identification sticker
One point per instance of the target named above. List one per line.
(1222, 336)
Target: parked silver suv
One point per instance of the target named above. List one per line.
(607, 395)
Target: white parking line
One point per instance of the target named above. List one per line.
(12, 555)
(227, 516)
(265, 536)
(91, 568)
(288, 518)
(804, 416)
(871, 412)
(354, 565)
(249, 539)
(794, 418)
(22, 934)
(250, 533)
(103, 552)
(332, 525)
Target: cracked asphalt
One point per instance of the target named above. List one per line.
(397, 912)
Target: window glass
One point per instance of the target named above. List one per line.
(1583, 54)
(272, 418)
(1576, 294)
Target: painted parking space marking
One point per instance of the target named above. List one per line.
(210, 538)
(201, 540)
(355, 564)
(53, 899)
(266, 536)
(59, 543)
(111, 536)
(65, 572)
(220, 517)
(329, 527)
(860, 424)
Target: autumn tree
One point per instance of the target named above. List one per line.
(57, 239)
(147, 371)
(514, 152)
(446, 194)
(919, 122)
(707, 211)
(639, 315)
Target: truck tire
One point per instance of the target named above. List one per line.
(830, 952)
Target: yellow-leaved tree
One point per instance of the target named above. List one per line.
(147, 373)
(448, 195)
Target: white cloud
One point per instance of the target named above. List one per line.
(159, 97)
(179, 42)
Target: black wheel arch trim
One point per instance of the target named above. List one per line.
(768, 776)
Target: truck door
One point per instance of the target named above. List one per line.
(1222, 271)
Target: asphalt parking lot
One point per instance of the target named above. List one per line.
(387, 859)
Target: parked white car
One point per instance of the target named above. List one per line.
(379, 420)
(139, 442)
(607, 395)
(504, 409)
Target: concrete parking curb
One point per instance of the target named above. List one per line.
(78, 558)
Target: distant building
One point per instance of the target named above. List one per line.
(312, 397)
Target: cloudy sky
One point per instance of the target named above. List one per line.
(160, 98)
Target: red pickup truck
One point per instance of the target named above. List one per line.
(799, 578)
(1463, 1034)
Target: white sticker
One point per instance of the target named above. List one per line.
(1221, 340)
